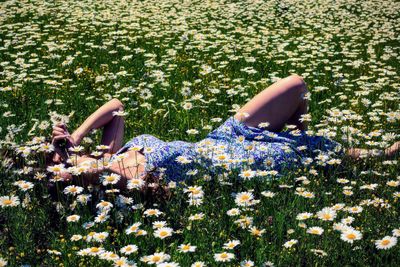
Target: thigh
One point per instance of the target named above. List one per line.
(275, 104)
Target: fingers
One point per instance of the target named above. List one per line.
(59, 129)
(56, 158)
(66, 176)
(56, 133)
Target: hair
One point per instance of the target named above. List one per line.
(49, 158)
(157, 192)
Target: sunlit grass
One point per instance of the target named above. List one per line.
(180, 66)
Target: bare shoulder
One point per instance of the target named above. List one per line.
(132, 165)
(107, 155)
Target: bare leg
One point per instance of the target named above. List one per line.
(360, 153)
(295, 119)
(393, 150)
(280, 103)
(113, 127)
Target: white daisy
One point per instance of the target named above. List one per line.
(9, 201)
(73, 218)
(112, 178)
(326, 214)
(152, 212)
(386, 242)
(247, 174)
(198, 264)
(156, 258)
(224, 257)
(233, 212)
(129, 249)
(350, 235)
(135, 183)
(163, 232)
(186, 248)
(73, 190)
(244, 198)
(304, 216)
(133, 228)
(315, 230)
(290, 243)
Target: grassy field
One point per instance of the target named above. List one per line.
(182, 65)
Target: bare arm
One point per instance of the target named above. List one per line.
(97, 119)
(102, 117)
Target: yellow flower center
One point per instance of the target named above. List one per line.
(140, 232)
(164, 233)
(351, 236)
(327, 216)
(245, 197)
(94, 250)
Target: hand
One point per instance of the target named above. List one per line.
(59, 132)
(66, 176)
(61, 135)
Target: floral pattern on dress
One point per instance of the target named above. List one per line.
(233, 145)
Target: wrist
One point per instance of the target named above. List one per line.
(77, 137)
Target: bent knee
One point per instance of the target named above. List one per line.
(117, 103)
(299, 85)
(298, 80)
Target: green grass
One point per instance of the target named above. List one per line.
(347, 52)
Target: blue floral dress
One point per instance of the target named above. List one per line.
(233, 145)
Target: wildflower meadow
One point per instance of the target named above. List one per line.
(181, 68)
